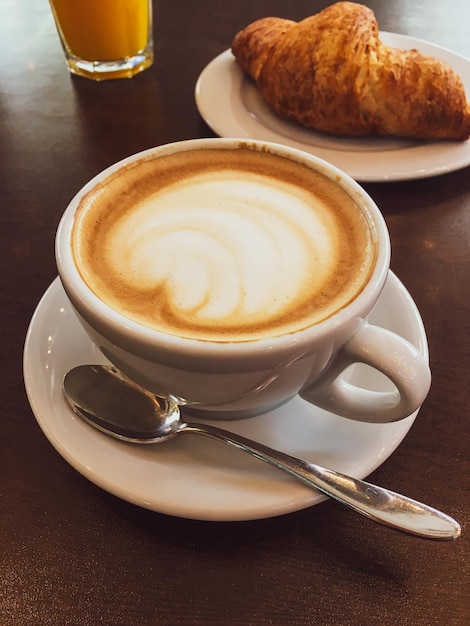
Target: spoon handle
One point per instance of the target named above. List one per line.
(382, 505)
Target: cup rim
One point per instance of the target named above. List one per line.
(112, 324)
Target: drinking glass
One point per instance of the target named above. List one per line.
(105, 39)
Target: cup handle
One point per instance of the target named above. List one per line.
(387, 352)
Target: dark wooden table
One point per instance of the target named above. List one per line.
(71, 553)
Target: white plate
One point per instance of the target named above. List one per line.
(231, 105)
(192, 476)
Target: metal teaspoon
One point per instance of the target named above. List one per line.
(112, 403)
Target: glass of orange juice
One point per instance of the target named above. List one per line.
(105, 38)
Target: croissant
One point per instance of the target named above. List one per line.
(332, 73)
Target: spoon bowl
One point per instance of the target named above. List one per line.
(114, 404)
(109, 401)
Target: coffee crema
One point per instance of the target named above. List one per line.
(224, 245)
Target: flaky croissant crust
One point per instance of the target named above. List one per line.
(332, 73)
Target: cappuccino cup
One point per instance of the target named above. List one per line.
(233, 275)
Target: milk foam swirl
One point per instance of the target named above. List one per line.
(226, 251)
(225, 246)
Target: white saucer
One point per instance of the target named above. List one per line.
(192, 476)
(231, 105)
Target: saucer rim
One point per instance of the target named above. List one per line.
(299, 497)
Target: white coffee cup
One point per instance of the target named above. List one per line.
(231, 374)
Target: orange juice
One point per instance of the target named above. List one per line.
(103, 30)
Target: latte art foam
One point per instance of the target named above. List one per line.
(223, 252)
(225, 245)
